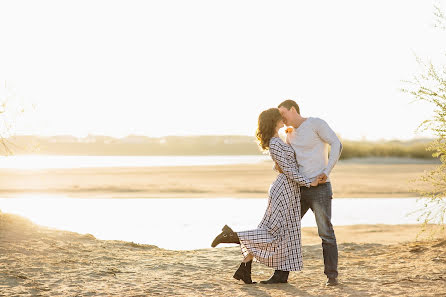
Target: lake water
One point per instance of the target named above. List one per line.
(184, 224)
(48, 162)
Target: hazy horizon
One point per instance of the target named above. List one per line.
(182, 68)
(414, 138)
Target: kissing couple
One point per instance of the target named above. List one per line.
(302, 183)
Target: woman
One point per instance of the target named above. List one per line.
(276, 243)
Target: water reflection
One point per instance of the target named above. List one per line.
(187, 223)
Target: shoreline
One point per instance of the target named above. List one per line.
(375, 260)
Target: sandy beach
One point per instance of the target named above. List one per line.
(351, 179)
(132, 132)
(375, 260)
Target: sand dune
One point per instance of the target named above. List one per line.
(38, 261)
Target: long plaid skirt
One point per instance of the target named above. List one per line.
(277, 240)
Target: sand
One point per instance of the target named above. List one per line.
(374, 179)
(373, 261)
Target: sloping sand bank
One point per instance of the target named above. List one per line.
(373, 261)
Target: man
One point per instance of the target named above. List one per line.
(310, 139)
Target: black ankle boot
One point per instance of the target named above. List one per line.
(279, 277)
(244, 273)
(227, 236)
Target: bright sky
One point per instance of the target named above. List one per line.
(210, 67)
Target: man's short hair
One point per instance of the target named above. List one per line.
(288, 104)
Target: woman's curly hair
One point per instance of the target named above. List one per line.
(266, 127)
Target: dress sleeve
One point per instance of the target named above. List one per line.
(287, 164)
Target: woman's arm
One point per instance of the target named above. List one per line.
(287, 164)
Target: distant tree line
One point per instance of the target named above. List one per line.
(196, 145)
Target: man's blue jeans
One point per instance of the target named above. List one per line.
(319, 200)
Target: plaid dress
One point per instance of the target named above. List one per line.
(276, 241)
